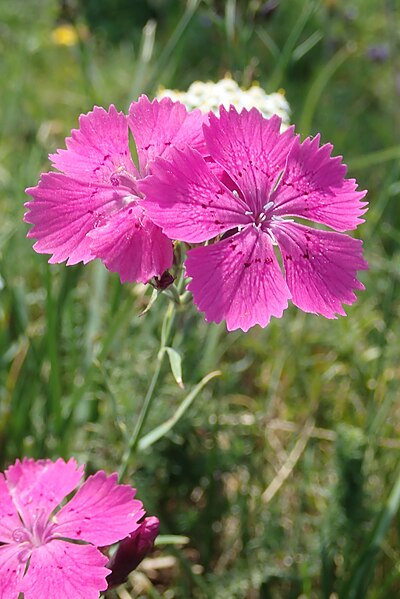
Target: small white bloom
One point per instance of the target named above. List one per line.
(226, 92)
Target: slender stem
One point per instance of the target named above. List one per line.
(148, 400)
(52, 351)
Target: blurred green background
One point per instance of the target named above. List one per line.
(284, 472)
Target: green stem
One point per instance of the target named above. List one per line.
(52, 352)
(148, 400)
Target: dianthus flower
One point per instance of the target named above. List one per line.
(92, 208)
(266, 177)
(54, 554)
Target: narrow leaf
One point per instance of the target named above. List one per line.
(165, 427)
(175, 361)
(171, 540)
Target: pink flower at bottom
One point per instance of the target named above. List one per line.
(54, 554)
(268, 180)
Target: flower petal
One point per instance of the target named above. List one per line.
(159, 124)
(251, 149)
(62, 570)
(102, 512)
(313, 187)
(98, 149)
(64, 210)
(9, 519)
(238, 280)
(320, 267)
(11, 571)
(185, 198)
(37, 487)
(131, 245)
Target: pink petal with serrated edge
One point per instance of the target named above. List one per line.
(62, 570)
(251, 149)
(131, 245)
(64, 210)
(159, 124)
(98, 149)
(238, 280)
(313, 187)
(9, 519)
(185, 198)
(320, 267)
(37, 487)
(11, 571)
(102, 512)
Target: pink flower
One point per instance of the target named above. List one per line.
(92, 208)
(268, 176)
(54, 554)
(132, 550)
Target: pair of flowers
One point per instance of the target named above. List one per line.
(47, 551)
(230, 180)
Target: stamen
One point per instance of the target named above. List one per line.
(282, 219)
(273, 238)
(268, 205)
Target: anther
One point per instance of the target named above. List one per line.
(268, 205)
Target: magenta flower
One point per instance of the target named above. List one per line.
(132, 550)
(268, 176)
(92, 208)
(54, 554)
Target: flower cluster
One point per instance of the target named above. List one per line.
(235, 181)
(52, 551)
(208, 95)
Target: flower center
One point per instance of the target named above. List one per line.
(39, 533)
(265, 214)
(123, 178)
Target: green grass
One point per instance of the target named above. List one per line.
(283, 471)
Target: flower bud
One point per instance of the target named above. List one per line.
(132, 550)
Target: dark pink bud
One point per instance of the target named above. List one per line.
(132, 550)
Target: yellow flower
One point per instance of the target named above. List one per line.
(64, 35)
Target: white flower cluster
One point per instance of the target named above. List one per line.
(209, 96)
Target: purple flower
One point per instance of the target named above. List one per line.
(378, 52)
(268, 176)
(132, 550)
(92, 208)
(54, 554)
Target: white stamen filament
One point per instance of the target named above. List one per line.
(268, 205)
